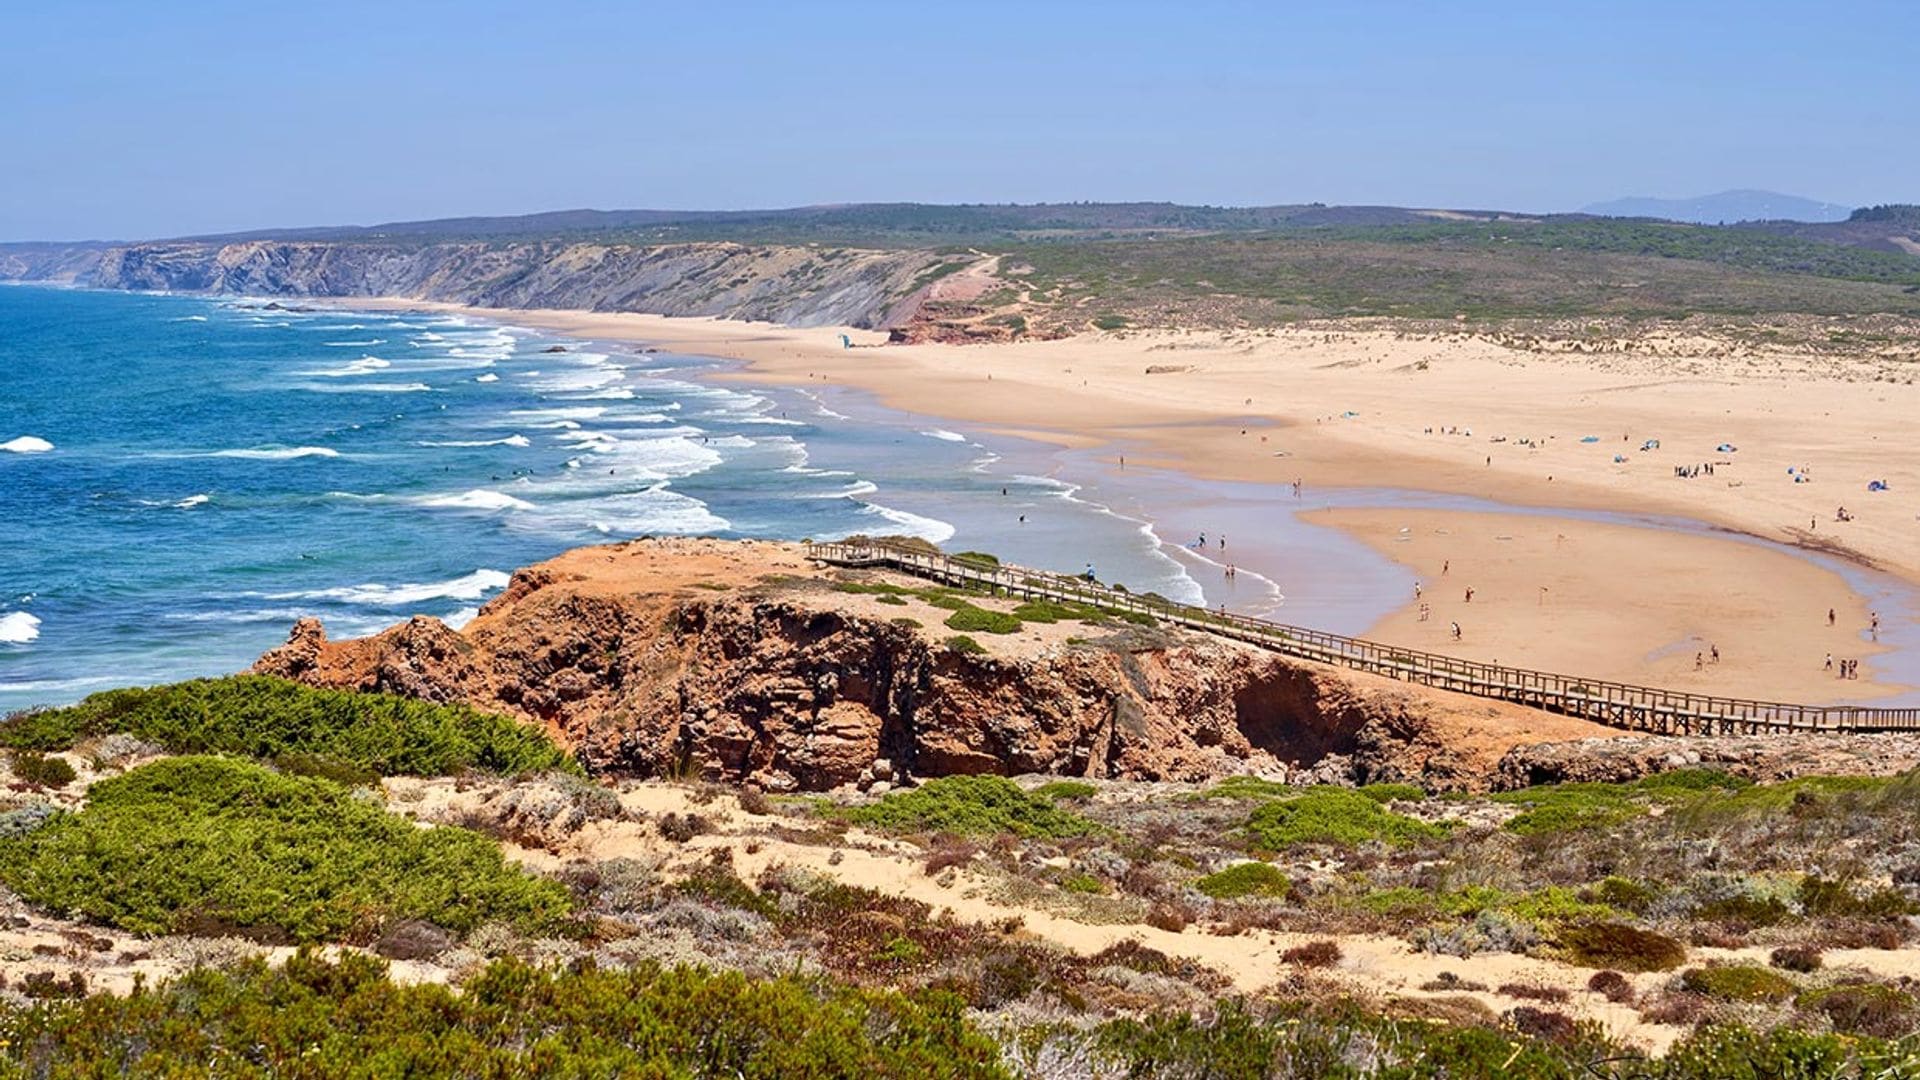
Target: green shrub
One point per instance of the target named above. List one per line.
(1050, 611)
(965, 645)
(898, 601)
(980, 557)
(42, 771)
(1819, 896)
(1737, 982)
(201, 842)
(1866, 1009)
(261, 717)
(971, 806)
(1246, 879)
(1333, 816)
(969, 618)
(1066, 790)
(1623, 893)
(1083, 883)
(1386, 793)
(318, 1018)
(1621, 947)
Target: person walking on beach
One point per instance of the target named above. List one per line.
(1699, 661)
(1873, 625)
(1454, 628)
(1416, 590)
(1469, 594)
(1445, 565)
(1714, 650)
(1829, 616)
(1829, 664)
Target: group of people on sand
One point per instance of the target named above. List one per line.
(1688, 472)
(1848, 669)
(1702, 659)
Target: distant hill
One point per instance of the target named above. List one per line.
(1723, 209)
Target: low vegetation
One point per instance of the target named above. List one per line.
(1333, 816)
(1245, 879)
(261, 717)
(318, 1018)
(971, 806)
(213, 844)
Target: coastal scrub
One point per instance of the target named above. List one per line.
(193, 843)
(262, 717)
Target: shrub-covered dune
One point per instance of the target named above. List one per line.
(266, 718)
(211, 844)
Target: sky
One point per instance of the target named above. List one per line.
(133, 120)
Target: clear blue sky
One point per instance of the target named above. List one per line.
(165, 117)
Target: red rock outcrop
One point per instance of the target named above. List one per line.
(643, 669)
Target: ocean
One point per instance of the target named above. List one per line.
(182, 477)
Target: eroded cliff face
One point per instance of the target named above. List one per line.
(795, 285)
(646, 667)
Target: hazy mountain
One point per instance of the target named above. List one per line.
(1726, 207)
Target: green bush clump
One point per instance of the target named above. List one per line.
(1866, 1009)
(1333, 816)
(979, 557)
(1738, 982)
(317, 1018)
(261, 717)
(1623, 893)
(1386, 793)
(1620, 947)
(202, 842)
(1246, 879)
(971, 806)
(1050, 611)
(1820, 896)
(1065, 790)
(42, 771)
(965, 645)
(968, 618)
(1554, 808)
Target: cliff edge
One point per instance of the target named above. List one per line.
(744, 662)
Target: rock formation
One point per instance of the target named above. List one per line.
(645, 664)
(791, 284)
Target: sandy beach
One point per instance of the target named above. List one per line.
(1464, 415)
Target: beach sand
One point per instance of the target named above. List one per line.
(1459, 414)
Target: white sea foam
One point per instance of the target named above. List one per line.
(191, 501)
(253, 615)
(581, 412)
(18, 628)
(657, 509)
(488, 377)
(929, 529)
(368, 343)
(277, 453)
(471, 587)
(365, 388)
(366, 365)
(851, 491)
(511, 440)
(944, 435)
(26, 444)
(461, 617)
(189, 318)
(617, 393)
(477, 499)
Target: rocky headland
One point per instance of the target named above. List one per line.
(744, 662)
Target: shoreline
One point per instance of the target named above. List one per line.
(1119, 412)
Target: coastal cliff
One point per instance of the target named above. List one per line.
(742, 662)
(791, 284)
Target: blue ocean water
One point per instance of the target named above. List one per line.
(221, 467)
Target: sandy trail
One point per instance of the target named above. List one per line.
(1453, 414)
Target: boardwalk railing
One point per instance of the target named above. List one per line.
(1623, 705)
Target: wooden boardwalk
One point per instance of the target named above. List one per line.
(1622, 705)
